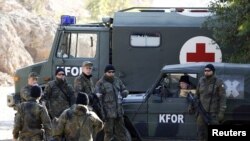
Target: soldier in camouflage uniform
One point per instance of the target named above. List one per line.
(31, 119)
(25, 91)
(84, 82)
(211, 92)
(111, 90)
(77, 123)
(24, 94)
(58, 94)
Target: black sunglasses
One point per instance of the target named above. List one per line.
(111, 72)
(207, 70)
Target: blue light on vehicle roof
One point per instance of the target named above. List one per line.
(67, 20)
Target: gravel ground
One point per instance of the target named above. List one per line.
(6, 115)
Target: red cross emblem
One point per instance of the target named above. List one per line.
(200, 49)
(200, 55)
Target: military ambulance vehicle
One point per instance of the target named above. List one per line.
(137, 41)
(162, 112)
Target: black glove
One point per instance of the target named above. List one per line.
(124, 93)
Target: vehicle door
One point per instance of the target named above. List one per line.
(168, 115)
(75, 47)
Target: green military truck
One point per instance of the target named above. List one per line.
(137, 41)
(162, 114)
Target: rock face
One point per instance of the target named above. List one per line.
(25, 38)
(27, 29)
(5, 79)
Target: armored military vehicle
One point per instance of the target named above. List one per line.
(161, 113)
(137, 41)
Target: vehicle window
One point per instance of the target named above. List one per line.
(176, 85)
(78, 45)
(62, 51)
(145, 40)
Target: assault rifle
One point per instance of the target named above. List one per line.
(196, 104)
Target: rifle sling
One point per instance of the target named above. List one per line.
(65, 94)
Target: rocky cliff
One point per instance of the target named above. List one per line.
(27, 29)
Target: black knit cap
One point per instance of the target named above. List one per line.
(109, 67)
(185, 79)
(59, 70)
(210, 66)
(35, 91)
(82, 98)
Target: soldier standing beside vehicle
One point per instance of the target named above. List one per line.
(58, 94)
(110, 91)
(31, 119)
(25, 91)
(84, 82)
(77, 122)
(211, 93)
(24, 94)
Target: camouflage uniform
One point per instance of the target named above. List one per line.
(112, 93)
(84, 84)
(56, 100)
(77, 123)
(23, 96)
(29, 120)
(25, 93)
(217, 106)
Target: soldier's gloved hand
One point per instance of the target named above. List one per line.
(220, 117)
(124, 93)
